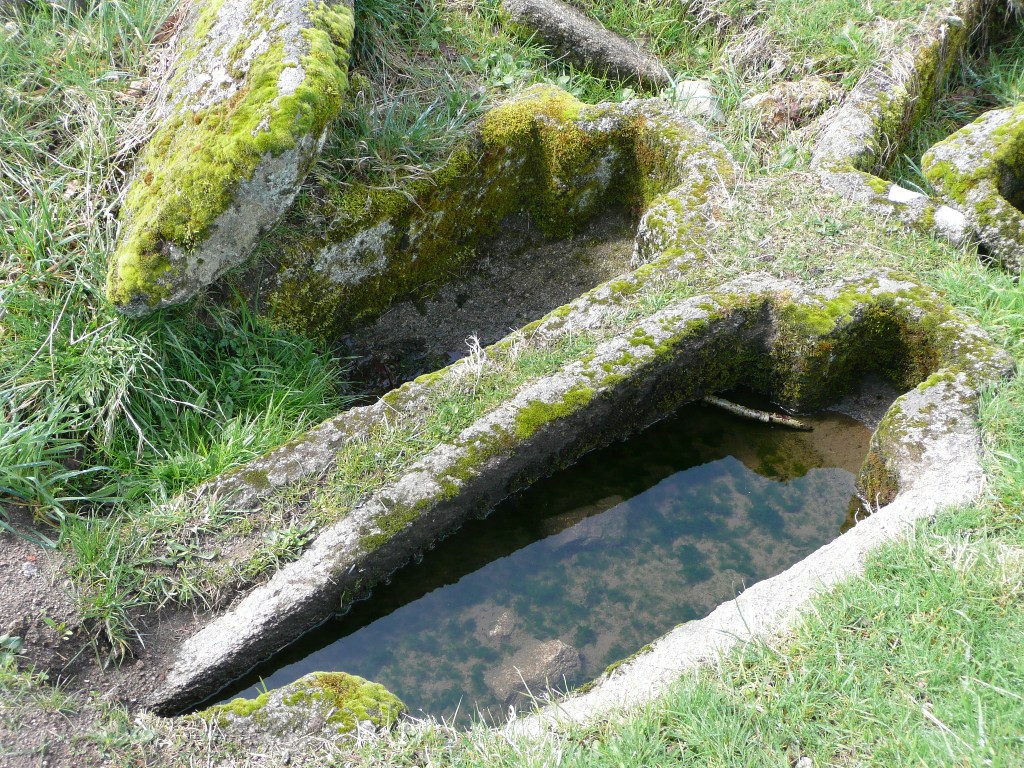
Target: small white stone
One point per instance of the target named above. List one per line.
(694, 98)
(951, 223)
(898, 194)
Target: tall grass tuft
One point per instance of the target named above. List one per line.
(96, 409)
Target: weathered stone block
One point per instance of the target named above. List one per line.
(980, 170)
(241, 115)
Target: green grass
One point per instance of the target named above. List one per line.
(98, 409)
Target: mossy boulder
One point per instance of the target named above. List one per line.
(321, 705)
(242, 114)
(980, 170)
(350, 252)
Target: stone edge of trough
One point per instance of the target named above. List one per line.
(941, 467)
(740, 333)
(874, 121)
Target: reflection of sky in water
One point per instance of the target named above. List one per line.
(607, 585)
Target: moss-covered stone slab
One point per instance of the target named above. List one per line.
(866, 133)
(331, 706)
(357, 249)
(241, 115)
(862, 137)
(980, 170)
(800, 347)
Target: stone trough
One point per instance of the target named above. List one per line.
(801, 347)
(544, 161)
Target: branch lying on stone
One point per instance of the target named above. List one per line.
(753, 413)
(586, 42)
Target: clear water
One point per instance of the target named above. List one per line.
(605, 556)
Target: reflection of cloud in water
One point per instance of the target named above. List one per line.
(625, 546)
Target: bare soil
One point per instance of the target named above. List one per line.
(517, 278)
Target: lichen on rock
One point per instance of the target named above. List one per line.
(320, 705)
(980, 170)
(243, 114)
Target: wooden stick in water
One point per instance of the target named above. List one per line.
(753, 413)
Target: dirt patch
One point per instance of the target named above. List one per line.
(51, 710)
(518, 278)
(36, 603)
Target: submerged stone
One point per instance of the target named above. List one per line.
(242, 114)
(980, 170)
(534, 670)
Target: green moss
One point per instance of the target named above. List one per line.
(611, 380)
(515, 123)
(538, 413)
(220, 713)
(343, 700)
(876, 482)
(623, 287)
(349, 699)
(256, 478)
(394, 521)
(191, 166)
(632, 657)
(1006, 153)
(939, 377)
(879, 186)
